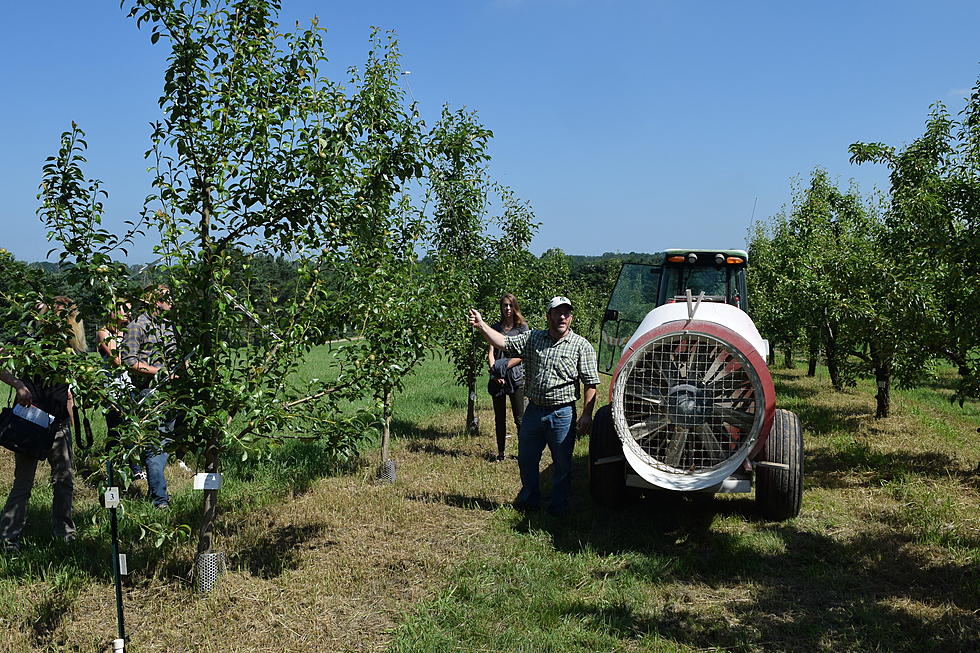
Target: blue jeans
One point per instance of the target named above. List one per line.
(155, 460)
(554, 427)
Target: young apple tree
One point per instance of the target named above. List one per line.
(932, 229)
(459, 187)
(380, 286)
(253, 154)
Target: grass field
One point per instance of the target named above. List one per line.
(884, 557)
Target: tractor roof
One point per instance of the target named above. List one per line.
(660, 257)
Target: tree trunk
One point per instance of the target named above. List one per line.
(788, 362)
(472, 422)
(476, 351)
(212, 451)
(883, 378)
(832, 368)
(883, 397)
(386, 426)
(813, 353)
(212, 465)
(832, 353)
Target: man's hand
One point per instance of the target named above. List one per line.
(24, 396)
(584, 425)
(145, 369)
(492, 337)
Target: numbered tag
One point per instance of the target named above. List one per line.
(111, 497)
(207, 481)
(123, 568)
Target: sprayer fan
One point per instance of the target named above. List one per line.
(687, 403)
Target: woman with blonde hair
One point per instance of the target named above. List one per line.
(506, 374)
(49, 391)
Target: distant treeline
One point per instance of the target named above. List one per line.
(590, 281)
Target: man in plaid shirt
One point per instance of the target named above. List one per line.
(148, 343)
(555, 362)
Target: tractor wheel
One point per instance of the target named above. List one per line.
(607, 481)
(779, 491)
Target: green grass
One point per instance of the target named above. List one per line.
(39, 586)
(884, 557)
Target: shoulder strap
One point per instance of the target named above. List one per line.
(78, 424)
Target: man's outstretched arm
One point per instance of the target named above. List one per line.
(494, 338)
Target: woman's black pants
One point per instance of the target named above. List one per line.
(500, 415)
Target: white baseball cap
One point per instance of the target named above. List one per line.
(559, 301)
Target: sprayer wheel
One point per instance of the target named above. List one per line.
(607, 481)
(779, 492)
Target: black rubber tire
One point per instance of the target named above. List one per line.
(779, 492)
(607, 482)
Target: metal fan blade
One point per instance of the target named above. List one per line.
(711, 444)
(676, 447)
(648, 427)
(720, 359)
(642, 396)
(735, 417)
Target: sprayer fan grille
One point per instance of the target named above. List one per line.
(687, 403)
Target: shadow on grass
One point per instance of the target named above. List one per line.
(809, 591)
(291, 470)
(817, 418)
(279, 550)
(410, 431)
(296, 465)
(817, 595)
(456, 500)
(786, 388)
(857, 464)
(820, 420)
(416, 446)
(43, 557)
(68, 568)
(447, 402)
(947, 380)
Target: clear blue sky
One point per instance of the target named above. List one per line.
(628, 124)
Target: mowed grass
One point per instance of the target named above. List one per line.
(885, 555)
(273, 513)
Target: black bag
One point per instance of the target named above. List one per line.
(24, 436)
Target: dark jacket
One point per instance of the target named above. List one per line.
(513, 378)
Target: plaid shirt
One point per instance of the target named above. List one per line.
(553, 368)
(146, 342)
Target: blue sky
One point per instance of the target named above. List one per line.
(628, 124)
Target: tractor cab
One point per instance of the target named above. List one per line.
(641, 287)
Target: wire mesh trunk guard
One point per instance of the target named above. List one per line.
(210, 566)
(386, 472)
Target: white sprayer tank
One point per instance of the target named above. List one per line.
(692, 397)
